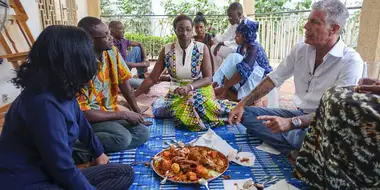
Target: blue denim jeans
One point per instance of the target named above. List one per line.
(283, 142)
(134, 56)
(135, 82)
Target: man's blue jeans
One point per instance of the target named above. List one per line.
(134, 56)
(283, 142)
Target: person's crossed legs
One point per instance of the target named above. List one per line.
(115, 136)
(110, 176)
(283, 142)
(102, 177)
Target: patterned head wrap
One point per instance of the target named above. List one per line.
(248, 29)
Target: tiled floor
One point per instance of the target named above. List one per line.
(286, 93)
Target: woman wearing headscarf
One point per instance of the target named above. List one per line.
(242, 71)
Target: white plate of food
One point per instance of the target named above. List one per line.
(243, 158)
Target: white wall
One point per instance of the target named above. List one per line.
(82, 9)
(34, 23)
(6, 69)
(6, 73)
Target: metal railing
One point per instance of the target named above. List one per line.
(161, 25)
(278, 32)
(154, 31)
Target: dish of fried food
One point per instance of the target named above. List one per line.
(189, 164)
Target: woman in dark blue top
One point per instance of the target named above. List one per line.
(241, 72)
(45, 120)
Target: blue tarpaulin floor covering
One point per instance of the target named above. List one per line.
(164, 130)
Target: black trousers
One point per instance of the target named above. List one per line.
(110, 176)
(105, 177)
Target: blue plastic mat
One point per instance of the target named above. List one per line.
(164, 130)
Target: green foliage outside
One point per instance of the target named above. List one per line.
(272, 6)
(141, 25)
(191, 8)
(138, 7)
(139, 28)
(152, 44)
(265, 6)
(111, 7)
(216, 24)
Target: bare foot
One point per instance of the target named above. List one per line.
(214, 85)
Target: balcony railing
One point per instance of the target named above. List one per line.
(278, 32)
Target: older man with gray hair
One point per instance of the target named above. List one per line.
(321, 62)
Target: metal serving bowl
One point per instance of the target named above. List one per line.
(194, 182)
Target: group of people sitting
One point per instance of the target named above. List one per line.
(67, 112)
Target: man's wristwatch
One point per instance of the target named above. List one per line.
(296, 122)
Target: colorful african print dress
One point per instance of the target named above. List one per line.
(342, 147)
(198, 110)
